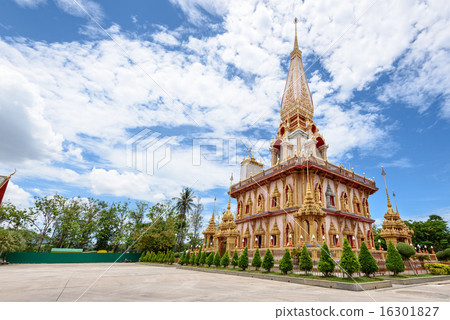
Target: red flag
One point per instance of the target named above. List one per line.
(3, 185)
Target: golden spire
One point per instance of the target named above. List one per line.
(214, 209)
(229, 194)
(295, 41)
(395, 200)
(383, 173)
(308, 186)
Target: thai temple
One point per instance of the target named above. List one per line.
(302, 198)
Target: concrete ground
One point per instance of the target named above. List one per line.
(141, 282)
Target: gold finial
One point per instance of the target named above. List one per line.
(295, 41)
(395, 200)
(383, 173)
(214, 208)
(229, 195)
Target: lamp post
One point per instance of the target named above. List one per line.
(256, 242)
(243, 242)
(290, 240)
(271, 241)
(313, 244)
(419, 248)
(432, 250)
(353, 242)
(379, 244)
(301, 240)
(323, 240)
(337, 241)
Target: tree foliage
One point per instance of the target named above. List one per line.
(235, 259)
(225, 260)
(405, 250)
(285, 264)
(268, 261)
(210, 259)
(348, 263)
(217, 259)
(367, 261)
(256, 260)
(394, 262)
(326, 263)
(305, 262)
(243, 259)
(433, 232)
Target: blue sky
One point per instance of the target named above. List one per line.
(81, 78)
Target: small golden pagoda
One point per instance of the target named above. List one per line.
(310, 216)
(210, 231)
(394, 228)
(226, 237)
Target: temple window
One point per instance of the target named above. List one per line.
(247, 209)
(332, 201)
(274, 202)
(358, 207)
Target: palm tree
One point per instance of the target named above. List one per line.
(183, 205)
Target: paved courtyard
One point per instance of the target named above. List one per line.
(139, 282)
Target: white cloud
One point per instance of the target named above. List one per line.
(17, 196)
(30, 3)
(398, 163)
(93, 96)
(80, 7)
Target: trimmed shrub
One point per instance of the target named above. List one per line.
(305, 262)
(256, 261)
(367, 261)
(210, 259)
(405, 251)
(349, 263)
(326, 262)
(217, 259)
(243, 259)
(198, 257)
(181, 259)
(443, 255)
(438, 268)
(171, 259)
(225, 260)
(192, 258)
(187, 257)
(285, 264)
(177, 254)
(235, 259)
(394, 262)
(203, 258)
(268, 261)
(141, 258)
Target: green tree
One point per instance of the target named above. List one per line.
(45, 213)
(13, 217)
(196, 224)
(285, 264)
(198, 257)
(187, 257)
(305, 262)
(217, 259)
(181, 259)
(348, 263)
(256, 260)
(184, 204)
(433, 232)
(10, 241)
(268, 261)
(235, 259)
(225, 260)
(203, 258)
(367, 261)
(405, 251)
(192, 259)
(243, 259)
(171, 259)
(141, 258)
(326, 262)
(394, 262)
(210, 259)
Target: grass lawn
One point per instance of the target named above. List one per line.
(405, 276)
(309, 276)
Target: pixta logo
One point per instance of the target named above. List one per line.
(148, 151)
